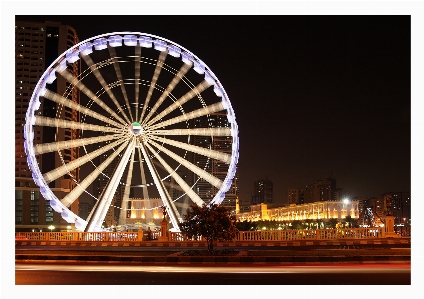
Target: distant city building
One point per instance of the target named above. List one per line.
(323, 210)
(373, 211)
(295, 196)
(84, 209)
(378, 206)
(320, 190)
(398, 205)
(243, 205)
(263, 192)
(340, 194)
(406, 208)
(214, 167)
(37, 45)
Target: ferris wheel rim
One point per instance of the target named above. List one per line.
(40, 89)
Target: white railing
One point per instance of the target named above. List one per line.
(178, 237)
(79, 236)
(274, 235)
(312, 234)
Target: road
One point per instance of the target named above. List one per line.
(305, 274)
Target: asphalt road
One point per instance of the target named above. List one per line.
(323, 274)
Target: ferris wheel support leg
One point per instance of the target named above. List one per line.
(124, 204)
(98, 214)
(166, 199)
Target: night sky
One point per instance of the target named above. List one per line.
(314, 96)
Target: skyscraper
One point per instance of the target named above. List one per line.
(263, 192)
(295, 196)
(37, 45)
(320, 190)
(214, 167)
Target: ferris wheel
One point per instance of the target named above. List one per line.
(150, 119)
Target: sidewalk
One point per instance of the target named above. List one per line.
(202, 244)
(349, 251)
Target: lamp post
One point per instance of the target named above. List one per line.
(51, 228)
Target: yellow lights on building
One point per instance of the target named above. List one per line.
(319, 210)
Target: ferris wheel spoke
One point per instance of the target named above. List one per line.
(119, 75)
(80, 188)
(155, 77)
(73, 105)
(224, 157)
(177, 78)
(61, 145)
(78, 84)
(190, 115)
(66, 168)
(214, 181)
(68, 124)
(196, 131)
(101, 207)
(182, 184)
(122, 212)
(166, 198)
(143, 177)
(94, 68)
(184, 99)
(137, 76)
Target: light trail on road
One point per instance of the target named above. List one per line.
(340, 268)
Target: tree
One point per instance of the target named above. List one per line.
(246, 225)
(213, 223)
(309, 222)
(332, 223)
(348, 221)
(297, 224)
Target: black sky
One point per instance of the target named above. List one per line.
(314, 96)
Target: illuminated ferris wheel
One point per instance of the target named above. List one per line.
(151, 118)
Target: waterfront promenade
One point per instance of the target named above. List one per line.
(388, 250)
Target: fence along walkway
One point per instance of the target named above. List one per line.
(274, 235)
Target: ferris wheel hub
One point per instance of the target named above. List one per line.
(136, 129)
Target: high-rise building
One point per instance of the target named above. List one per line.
(406, 208)
(216, 168)
(378, 206)
(398, 204)
(295, 196)
(37, 45)
(84, 209)
(263, 192)
(320, 190)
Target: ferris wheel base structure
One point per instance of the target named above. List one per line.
(152, 118)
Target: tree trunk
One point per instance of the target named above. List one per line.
(210, 244)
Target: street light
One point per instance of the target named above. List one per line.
(51, 228)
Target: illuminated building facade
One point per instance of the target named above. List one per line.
(144, 211)
(322, 210)
(37, 45)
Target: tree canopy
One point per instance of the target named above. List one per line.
(213, 223)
